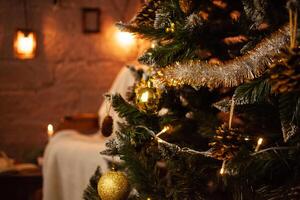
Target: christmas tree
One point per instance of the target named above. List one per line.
(216, 114)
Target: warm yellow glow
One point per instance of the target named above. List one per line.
(144, 97)
(259, 142)
(153, 45)
(159, 140)
(50, 130)
(165, 129)
(125, 39)
(25, 44)
(222, 170)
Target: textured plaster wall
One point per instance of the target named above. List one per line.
(69, 75)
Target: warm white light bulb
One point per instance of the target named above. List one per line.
(153, 45)
(144, 97)
(165, 129)
(259, 142)
(125, 39)
(26, 44)
(222, 170)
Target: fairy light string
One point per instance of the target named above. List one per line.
(208, 153)
(174, 146)
(293, 15)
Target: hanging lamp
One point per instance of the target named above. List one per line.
(25, 40)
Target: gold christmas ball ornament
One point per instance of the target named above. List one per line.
(113, 185)
(147, 97)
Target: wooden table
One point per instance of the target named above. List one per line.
(21, 185)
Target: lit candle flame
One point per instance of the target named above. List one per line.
(50, 130)
(259, 142)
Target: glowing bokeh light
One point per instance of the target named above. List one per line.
(144, 97)
(25, 44)
(125, 39)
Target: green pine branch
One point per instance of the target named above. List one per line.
(168, 54)
(289, 106)
(140, 164)
(131, 114)
(254, 92)
(91, 192)
(145, 32)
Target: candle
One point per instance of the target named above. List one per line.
(50, 130)
(259, 142)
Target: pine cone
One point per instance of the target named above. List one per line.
(284, 75)
(146, 16)
(226, 143)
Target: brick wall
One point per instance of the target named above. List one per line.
(69, 75)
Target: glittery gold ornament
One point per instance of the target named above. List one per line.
(113, 186)
(186, 6)
(147, 97)
(171, 29)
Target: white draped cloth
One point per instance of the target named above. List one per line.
(70, 158)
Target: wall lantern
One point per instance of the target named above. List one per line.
(25, 40)
(25, 44)
(125, 39)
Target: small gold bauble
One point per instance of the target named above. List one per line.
(113, 186)
(147, 98)
(171, 29)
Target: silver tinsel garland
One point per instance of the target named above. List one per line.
(230, 73)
